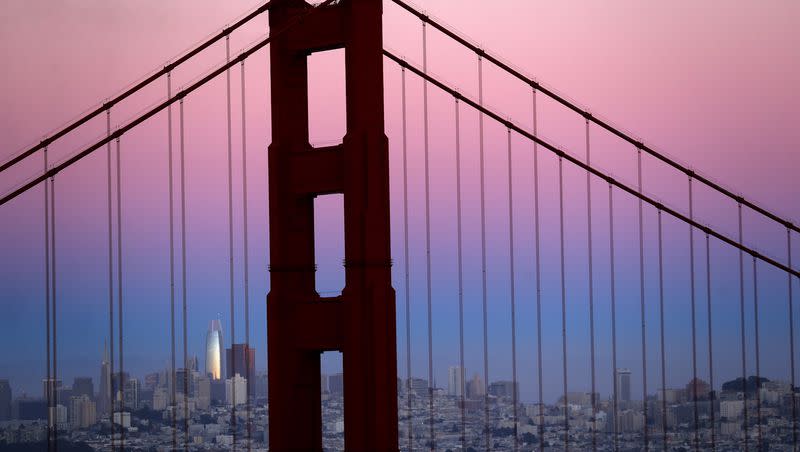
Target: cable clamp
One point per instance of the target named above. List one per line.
(534, 84)
(690, 173)
(587, 115)
(639, 145)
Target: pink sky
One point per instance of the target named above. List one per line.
(713, 84)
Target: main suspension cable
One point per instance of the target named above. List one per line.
(596, 172)
(165, 70)
(426, 18)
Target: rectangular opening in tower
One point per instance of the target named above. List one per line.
(332, 388)
(329, 244)
(327, 122)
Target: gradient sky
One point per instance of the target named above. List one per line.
(712, 84)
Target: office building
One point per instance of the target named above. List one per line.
(83, 412)
(624, 385)
(241, 359)
(236, 390)
(214, 350)
(455, 381)
(475, 387)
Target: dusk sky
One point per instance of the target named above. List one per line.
(712, 84)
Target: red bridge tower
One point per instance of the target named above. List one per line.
(361, 322)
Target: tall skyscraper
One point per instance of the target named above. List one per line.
(104, 396)
(131, 394)
(241, 359)
(5, 400)
(455, 380)
(214, 350)
(624, 384)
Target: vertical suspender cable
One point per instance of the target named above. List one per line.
(538, 274)
(47, 304)
(428, 235)
(563, 299)
(406, 264)
(615, 402)
(111, 393)
(486, 432)
(791, 337)
(513, 293)
(741, 316)
(460, 282)
(183, 282)
(661, 320)
(758, 357)
(591, 288)
(246, 263)
(52, 385)
(171, 267)
(641, 300)
(119, 293)
(710, 346)
(230, 237)
(694, 323)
